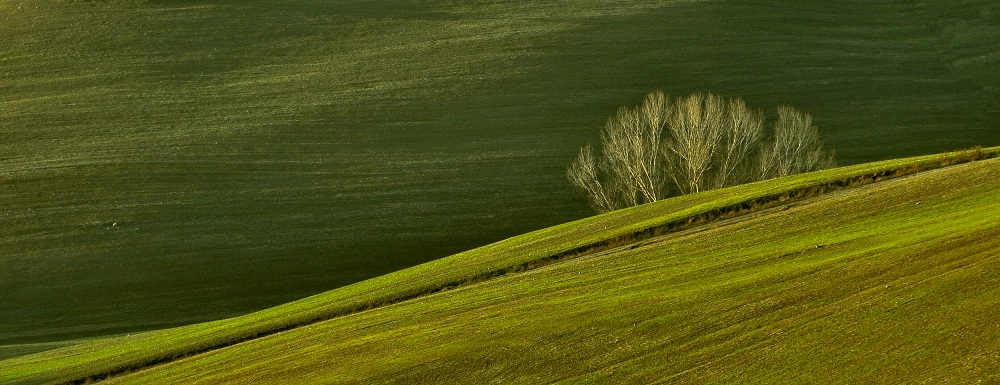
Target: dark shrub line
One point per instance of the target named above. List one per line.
(726, 212)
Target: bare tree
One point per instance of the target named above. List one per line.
(631, 170)
(795, 148)
(631, 149)
(741, 136)
(695, 132)
(583, 174)
(690, 144)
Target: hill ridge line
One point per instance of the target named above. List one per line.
(695, 220)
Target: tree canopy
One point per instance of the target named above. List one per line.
(666, 147)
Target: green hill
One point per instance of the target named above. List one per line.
(166, 162)
(810, 278)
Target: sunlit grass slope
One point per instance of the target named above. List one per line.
(892, 283)
(895, 278)
(170, 162)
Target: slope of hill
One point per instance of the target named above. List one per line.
(893, 280)
(169, 162)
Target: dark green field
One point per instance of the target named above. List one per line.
(167, 162)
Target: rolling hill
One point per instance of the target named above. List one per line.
(879, 273)
(168, 162)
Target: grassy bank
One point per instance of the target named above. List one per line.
(888, 283)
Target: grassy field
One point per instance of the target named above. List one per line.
(170, 162)
(712, 292)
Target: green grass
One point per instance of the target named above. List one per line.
(710, 292)
(253, 153)
(9, 351)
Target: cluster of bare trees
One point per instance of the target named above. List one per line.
(666, 147)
